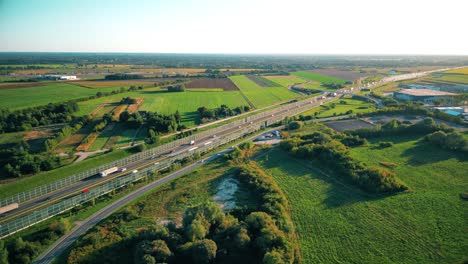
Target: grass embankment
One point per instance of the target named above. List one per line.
(261, 96)
(337, 222)
(31, 182)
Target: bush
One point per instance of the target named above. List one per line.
(295, 125)
(140, 148)
(385, 144)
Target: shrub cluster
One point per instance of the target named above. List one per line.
(322, 147)
(453, 140)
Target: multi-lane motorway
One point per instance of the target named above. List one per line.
(92, 181)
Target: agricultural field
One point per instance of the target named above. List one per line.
(287, 80)
(158, 100)
(41, 95)
(341, 74)
(338, 223)
(458, 71)
(115, 84)
(262, 96)
(225, 84)
(319, 77)
(262, 81)
(355, 105)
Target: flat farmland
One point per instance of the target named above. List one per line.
(225, 84)
(318, 77)
(108, 84)
(41, 95)
(157, 100)
(459, 71)
(262, 96)
(345, 75)
(338, 223)
(285, 81)
(262, 81)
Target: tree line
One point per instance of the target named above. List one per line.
(206, 114)
(26, 119)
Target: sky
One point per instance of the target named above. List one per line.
(236, 26)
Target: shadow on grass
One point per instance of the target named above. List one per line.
(424, 153)
(191, 116)
(340, 191)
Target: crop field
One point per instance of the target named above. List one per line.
(454, 78)
(35, 96)
(357, 106)
(225, 84)
(346, 75)
(338, 223)
(285, 81)
(458, 71)
(318, 77)
(157, 100)
(262, 96)
(262, 81)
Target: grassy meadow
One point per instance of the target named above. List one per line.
(19, 98)
(357, 106)
(261, 96)
(158, 100)
(338, 223)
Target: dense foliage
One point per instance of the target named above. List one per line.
(333, 153)
(23, 120)
(122, 76)
(176, 88)
(223, 111)
(452, 140)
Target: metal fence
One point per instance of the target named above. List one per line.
(48, 188)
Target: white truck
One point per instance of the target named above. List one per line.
(192, 142)
(108, 171)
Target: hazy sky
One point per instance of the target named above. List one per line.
(236, 26)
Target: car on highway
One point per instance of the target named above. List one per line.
(156, 163)
(213, 136)
(134, 171)
(123, 169)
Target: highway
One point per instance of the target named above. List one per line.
(95, 180)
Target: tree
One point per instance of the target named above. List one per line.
(204, 251)
(273, 257)
(3, 253)
(295, 125)
(161, 251)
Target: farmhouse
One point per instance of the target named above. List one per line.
(424, 95)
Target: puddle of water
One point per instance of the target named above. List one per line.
(225, 195)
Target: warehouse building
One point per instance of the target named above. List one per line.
(425, 95)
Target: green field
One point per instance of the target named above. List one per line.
(261, 96)
(19, 98)
(157, 100)
(357, 106)
(338, 223)
(285, 81)
(453, 78)
(318, 77)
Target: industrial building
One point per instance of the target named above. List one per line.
(425, 95)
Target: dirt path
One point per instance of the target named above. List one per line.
(85, 154)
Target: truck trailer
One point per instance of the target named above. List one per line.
(108, 171)
(8, 208)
